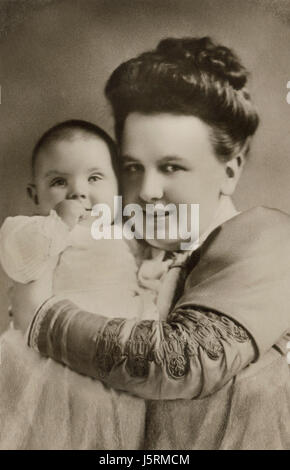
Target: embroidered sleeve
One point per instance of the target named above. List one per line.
(191, 355)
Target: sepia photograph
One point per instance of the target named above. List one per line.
(144, 227)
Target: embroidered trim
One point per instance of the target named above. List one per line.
(207, 330)
(137, 350)
(108, 350)
(169, 345)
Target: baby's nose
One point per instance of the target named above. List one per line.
(76, 195)
(77, 191)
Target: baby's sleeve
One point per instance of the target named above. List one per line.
(27, 244)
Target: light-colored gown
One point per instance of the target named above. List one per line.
(44, 405)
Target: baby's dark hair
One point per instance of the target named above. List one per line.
(188, 76)
(67, 130)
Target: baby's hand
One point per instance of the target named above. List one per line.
(71, 212)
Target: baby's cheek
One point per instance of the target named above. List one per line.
(109, 197)
(48, 200)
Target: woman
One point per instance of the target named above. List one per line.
(215, 370)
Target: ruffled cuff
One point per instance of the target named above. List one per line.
(28, 243)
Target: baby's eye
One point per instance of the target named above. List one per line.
(132, 168)
(171, 168)
(58, 182)
(95, 178)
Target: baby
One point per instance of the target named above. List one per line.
(44, 405)
(73, 167)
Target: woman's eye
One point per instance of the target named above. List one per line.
(58, 182)
(95, 178)
(171, 168)
(132, 168)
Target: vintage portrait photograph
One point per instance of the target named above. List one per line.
(145, 227)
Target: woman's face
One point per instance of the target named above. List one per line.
(170, 159)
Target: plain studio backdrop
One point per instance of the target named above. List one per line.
(57, 55)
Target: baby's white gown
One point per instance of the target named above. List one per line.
(44, 405)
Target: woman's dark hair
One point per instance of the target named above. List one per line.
(188, 76)
(68, 130)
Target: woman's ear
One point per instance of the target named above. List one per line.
(233, 170)
(31, 191)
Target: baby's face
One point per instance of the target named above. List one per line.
(79, 169)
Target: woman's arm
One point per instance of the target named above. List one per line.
(243, 274)
(192, 355)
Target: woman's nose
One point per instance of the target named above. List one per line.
(151, 189)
